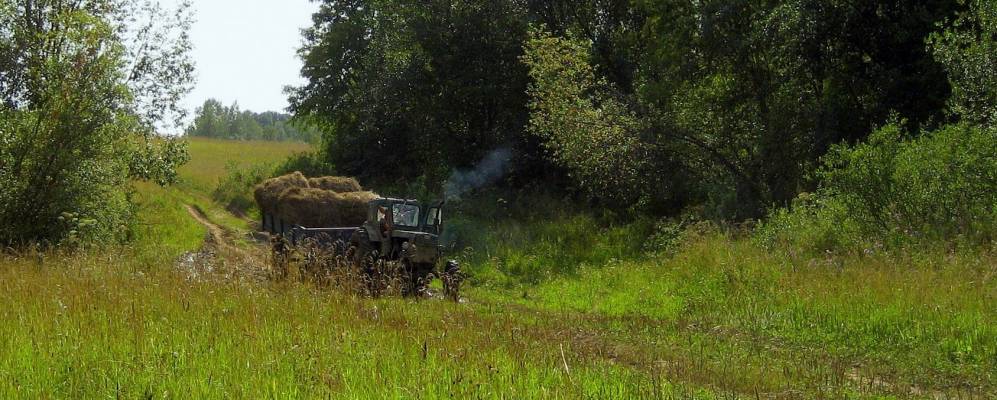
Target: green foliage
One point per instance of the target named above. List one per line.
(940, 186)
(968, 49)
(78, 103)
(582, 126)
(530, 238)
(158, 160)
(668, 235)
(813, 225)
(213, 120)
(310, 163)
(412, 88)
(644, 105)
(751, 94)
(235, 190)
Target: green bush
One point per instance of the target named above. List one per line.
(309, 163)
(814, 224)
(940, 186)
(80, 99)
(235, 190)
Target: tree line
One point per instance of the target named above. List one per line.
(655, 106)
(214, 120)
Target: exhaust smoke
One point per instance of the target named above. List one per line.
(489, 170)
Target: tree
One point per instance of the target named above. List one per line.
(214, 120)
(760, 90)
(414, 87)
(730, 104)
(612, 27)
(968, 49)
(210, 120)
(582, 126)
(83, 86)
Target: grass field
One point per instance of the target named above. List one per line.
(561, 307)
(211, 157)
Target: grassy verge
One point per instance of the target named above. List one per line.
(724, 310)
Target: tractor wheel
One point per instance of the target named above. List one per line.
(420, 276)
(452, 277)
(362, 246)
(414, 278)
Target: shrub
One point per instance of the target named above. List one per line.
(940, 186)
(235, 190)
(814, 224)
(309, 163)
(83, 86)
(534, 237)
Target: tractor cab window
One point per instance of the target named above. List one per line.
(405, 215)
(435, 217)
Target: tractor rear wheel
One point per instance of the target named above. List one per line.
(416, 278)
(362, 246)
(452, 277)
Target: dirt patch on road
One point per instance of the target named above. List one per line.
(215, 233)
(221, 255)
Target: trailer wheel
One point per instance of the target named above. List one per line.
(279, 257)
(362, 246)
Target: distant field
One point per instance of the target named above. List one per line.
(561, 307)
(210, 157)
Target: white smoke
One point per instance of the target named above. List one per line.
(489, 170)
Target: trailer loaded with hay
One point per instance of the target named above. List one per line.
(333, 210)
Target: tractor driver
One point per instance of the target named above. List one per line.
(382, 221)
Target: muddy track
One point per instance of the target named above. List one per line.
(220, 245)
(216, 234)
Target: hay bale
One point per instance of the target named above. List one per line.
(338, 184)
(318, 208)
(267, 194)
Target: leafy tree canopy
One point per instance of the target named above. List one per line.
(83, 85)
(650, 103)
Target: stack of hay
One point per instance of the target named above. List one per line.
(329, 201)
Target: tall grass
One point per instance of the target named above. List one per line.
(723, 317)
(91, 330)
(921, 326)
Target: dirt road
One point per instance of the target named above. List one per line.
(215, 233)
(221, 250)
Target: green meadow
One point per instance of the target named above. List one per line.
(566, 306)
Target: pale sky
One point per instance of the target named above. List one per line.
(245, 50)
